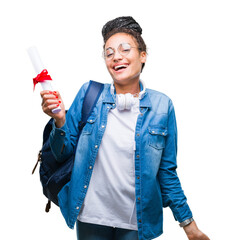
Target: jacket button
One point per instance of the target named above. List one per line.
(96, 146)
(90, 167)
(77, 208)
(140, 220)
(85, 186)
(138, 198)
(102, 126)
(138, 156)
(138, 177)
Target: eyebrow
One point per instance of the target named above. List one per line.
(108, 48)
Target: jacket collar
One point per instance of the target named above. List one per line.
(108, 97)
(145, 101)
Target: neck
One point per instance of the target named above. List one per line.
(132, 87)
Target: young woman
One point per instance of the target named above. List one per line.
(125, 163)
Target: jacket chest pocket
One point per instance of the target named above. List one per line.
(156, 137)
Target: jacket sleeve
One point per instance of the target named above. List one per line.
(172, 193)
(63, 141)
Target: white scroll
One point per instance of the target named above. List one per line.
(39, 67)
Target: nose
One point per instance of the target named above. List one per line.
(117, 56)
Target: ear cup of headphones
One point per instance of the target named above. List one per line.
(124, 101)
(128, 101)
(120, 101)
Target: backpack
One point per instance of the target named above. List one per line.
(53, 174)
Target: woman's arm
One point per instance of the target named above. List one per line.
(193, 233)
(65, 132)
(172, 193)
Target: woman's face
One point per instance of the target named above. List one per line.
(131, 63)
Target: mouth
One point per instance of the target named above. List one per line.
(120, 67)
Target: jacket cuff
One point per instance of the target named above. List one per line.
(59, 131)
(182, 213)
(57, 140)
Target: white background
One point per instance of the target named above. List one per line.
(192, 58)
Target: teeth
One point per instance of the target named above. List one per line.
(119, 66)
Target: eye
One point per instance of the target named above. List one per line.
(126, 50)
(125, 47)
(109, 55)
(109, 52)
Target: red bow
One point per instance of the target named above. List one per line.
(41, 77)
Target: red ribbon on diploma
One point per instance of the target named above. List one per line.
(41, 77)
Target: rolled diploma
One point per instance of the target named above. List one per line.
(39, 67)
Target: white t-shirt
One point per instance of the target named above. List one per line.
(110, 198)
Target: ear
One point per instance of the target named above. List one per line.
(143, 57)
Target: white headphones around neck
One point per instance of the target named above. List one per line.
(126, 101)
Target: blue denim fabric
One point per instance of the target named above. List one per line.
(156, 181)
(87, 231)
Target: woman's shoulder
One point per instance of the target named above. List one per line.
(157, 94)
(85, 85)
(160, 102)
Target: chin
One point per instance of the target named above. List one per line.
(123, 80)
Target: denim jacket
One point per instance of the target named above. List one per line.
(156, 182)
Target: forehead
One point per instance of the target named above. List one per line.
(119, 38)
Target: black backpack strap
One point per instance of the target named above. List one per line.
(91, 97)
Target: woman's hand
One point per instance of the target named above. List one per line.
(51, 100)
(193, 233)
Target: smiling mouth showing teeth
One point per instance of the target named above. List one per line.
(116, 68)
